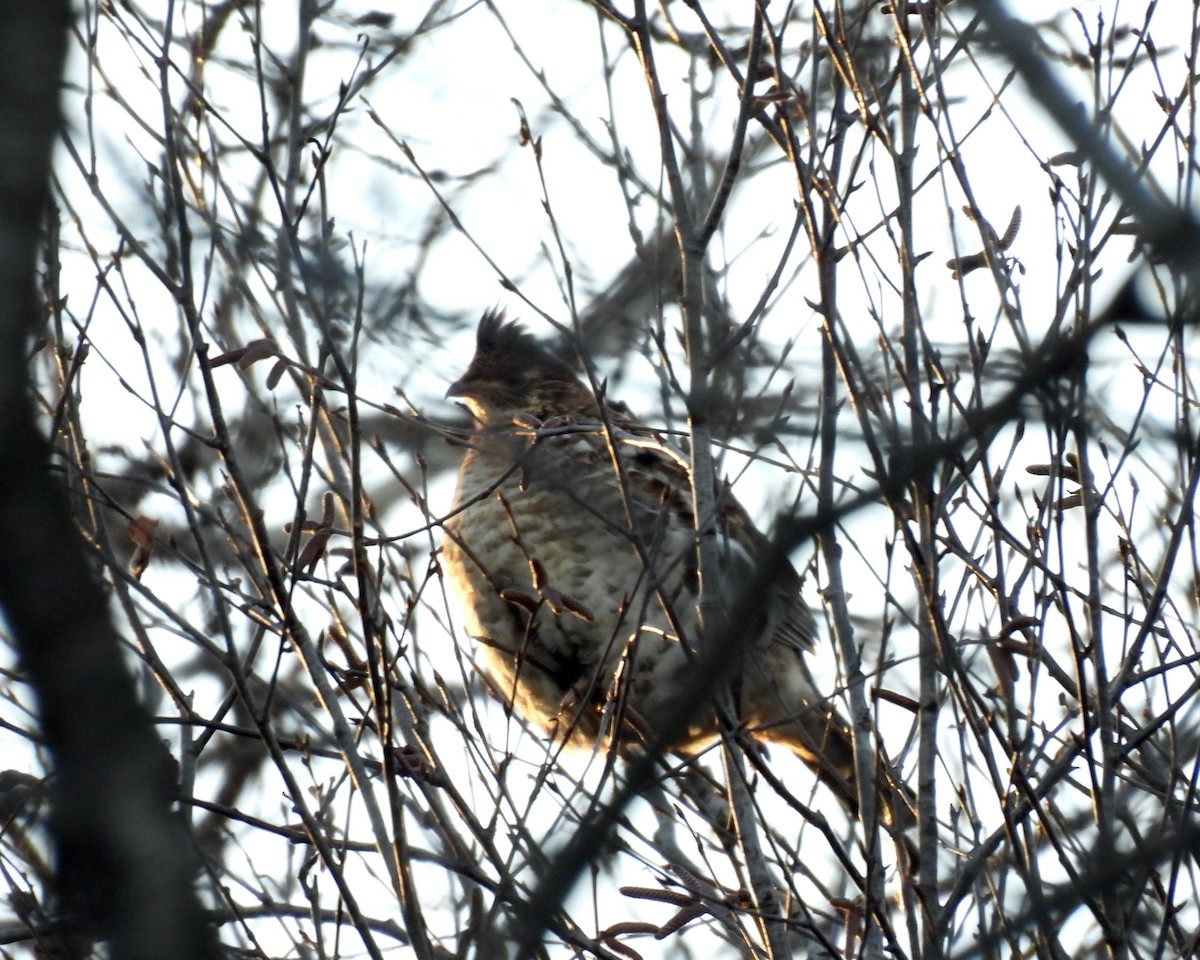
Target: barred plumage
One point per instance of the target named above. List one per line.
(571, 550)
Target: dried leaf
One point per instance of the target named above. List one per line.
(141, 531)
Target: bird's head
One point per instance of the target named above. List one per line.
(512, 373)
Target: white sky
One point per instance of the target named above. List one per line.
(451, 100)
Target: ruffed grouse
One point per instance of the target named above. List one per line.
(577, 578)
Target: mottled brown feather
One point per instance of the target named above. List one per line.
(575, 570)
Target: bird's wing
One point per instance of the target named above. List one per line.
(659, 473)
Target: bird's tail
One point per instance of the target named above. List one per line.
(822, 740)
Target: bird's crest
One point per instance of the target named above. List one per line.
(508, 342)
(512, 372)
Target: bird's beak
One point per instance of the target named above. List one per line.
(458, 388)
